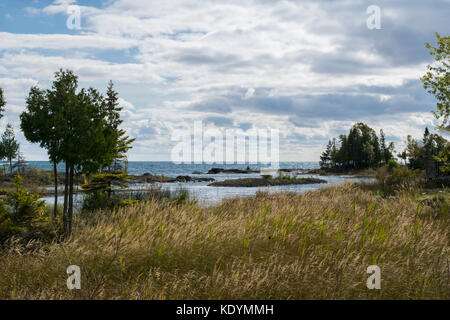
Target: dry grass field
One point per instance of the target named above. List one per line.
(316, 245)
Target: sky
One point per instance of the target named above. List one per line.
(309, 68)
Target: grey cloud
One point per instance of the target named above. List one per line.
(351, 104)
(245, 125)
(219, 121)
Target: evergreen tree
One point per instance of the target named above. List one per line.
(121, 143)
(9, 145)
(325, 158)
(79, 129)
(430, 148)
(360, 149)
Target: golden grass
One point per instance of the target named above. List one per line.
(312, 246)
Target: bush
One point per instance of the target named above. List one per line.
(392, 164)
(397, 178)
(22, 213)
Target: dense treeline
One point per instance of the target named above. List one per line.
(360, 149)
(418, 153)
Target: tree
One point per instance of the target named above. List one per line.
(403, 156)
(360, 149)
(325, 158)
(43, 122)
(21, 164)
(437, 80)
(429, 148)
(79, 129)
(9, 145)
(120, 141)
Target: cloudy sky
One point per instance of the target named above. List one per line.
(308, 68)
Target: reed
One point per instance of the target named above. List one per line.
(316, 245)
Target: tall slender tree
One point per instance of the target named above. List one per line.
(9, 145)
(121, 142)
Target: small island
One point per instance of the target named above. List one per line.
(265, 182)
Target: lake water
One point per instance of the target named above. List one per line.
(204, 194)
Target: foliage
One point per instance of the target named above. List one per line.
(360, 149)
(21, 211)
(437, 82)
(105, 182)
(395, 179)
(9, 146)
(121, 143)
(418, 152)
(392, 164)
(78, 128)
(99, 199)
(437, 79)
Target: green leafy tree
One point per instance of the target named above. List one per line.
(9, 145)
(77, 128)
(40, 124)
(47, 120)
(437, 82)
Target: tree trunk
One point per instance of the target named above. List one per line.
(66, 188)
(66, 192)
(10, 166)
(55, 208)
(70, 213)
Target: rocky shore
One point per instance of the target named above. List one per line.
(265, 182)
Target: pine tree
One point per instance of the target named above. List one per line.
(120, 141)
(9, 145)
(325, 158)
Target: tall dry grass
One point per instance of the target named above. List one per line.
(312, 246)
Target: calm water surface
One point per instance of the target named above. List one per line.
(204, 194)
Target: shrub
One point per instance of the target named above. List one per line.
(21, 213)
(392, 164)
(397, 178)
